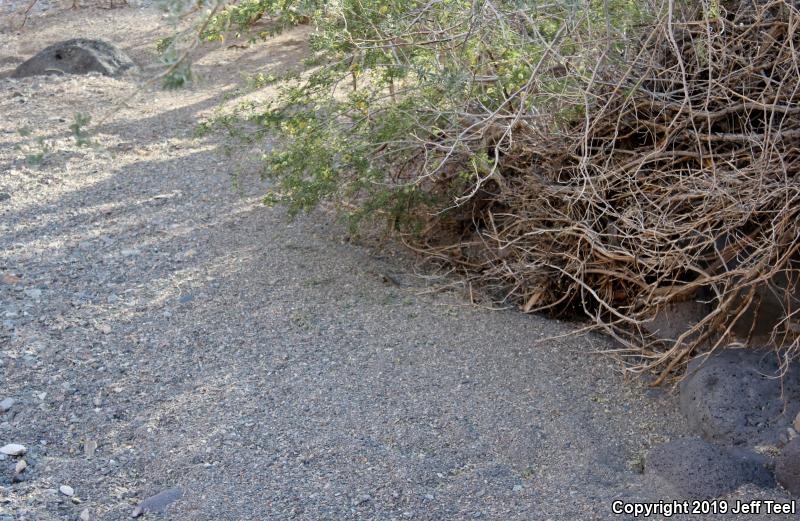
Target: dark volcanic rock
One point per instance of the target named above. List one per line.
(787, 467)
(695, 469)
(737, 397)
(77, 56)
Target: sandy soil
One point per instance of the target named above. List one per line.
(161, 328)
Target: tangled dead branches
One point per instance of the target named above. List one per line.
(675, 177)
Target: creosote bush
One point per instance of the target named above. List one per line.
(606, 157)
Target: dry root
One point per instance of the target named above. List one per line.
(678, 178)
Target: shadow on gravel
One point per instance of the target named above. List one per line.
(260, 365)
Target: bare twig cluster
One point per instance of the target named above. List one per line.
(668, 170)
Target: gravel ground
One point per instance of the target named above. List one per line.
(161, 328)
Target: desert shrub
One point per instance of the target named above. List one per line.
(606, 157)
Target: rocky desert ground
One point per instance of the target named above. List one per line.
(165, 334)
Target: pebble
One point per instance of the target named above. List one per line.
(360, 500)
(85, 516)
(10, 279)
(103, 328)
(13, 449)
(66, 490)
(7, 404)
(517, 488)
(34, 293)
(796, 423)
(159, 502)
(20, 466)
(89, 447)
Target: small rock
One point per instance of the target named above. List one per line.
(34, 293)
(159, 502)
(66, 490)
(517, 488)
(360, 500)
(20, 467)
(103, 328)
(129, 252)
(186, 298)
(10, 279)
(7, 404)
(767, 450)
(4, 196)
(13, 449)
(85, 516)
(796, 423)
(89, 447)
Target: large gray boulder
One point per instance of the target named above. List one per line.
(737, 397)
(77, 56)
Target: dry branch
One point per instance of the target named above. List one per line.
(681, 179)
